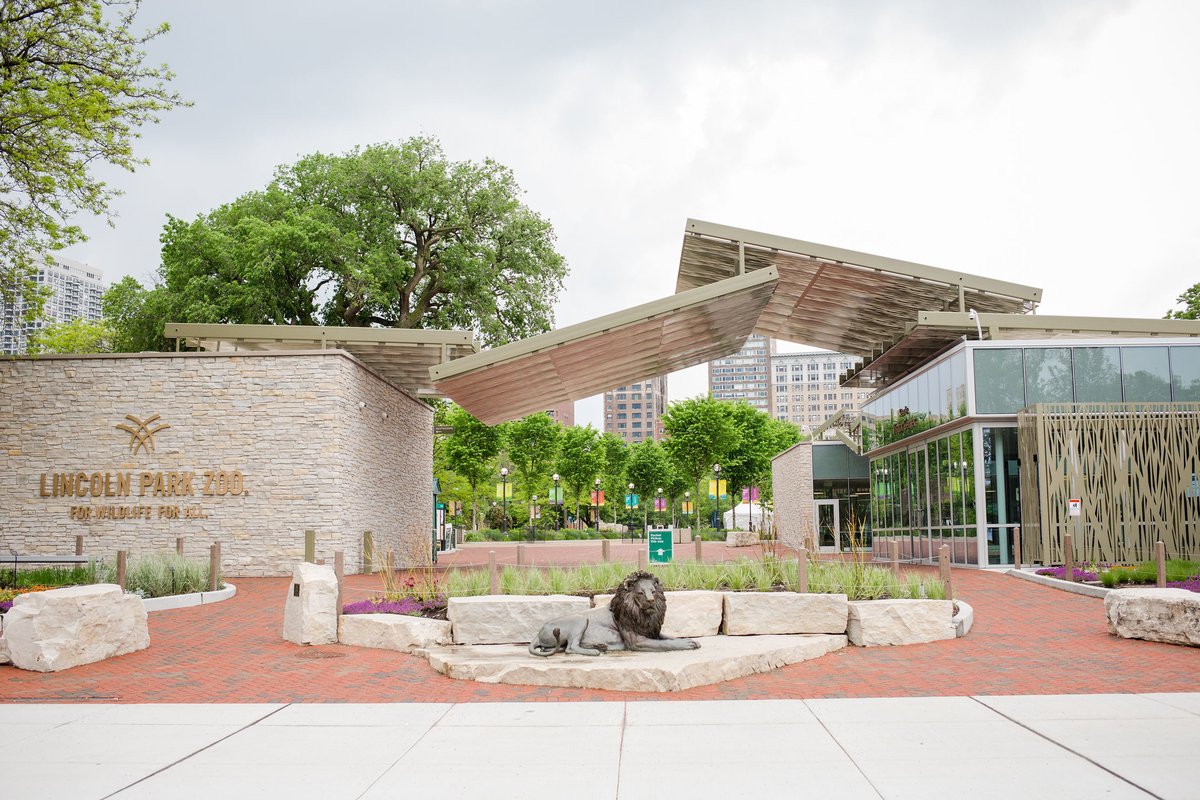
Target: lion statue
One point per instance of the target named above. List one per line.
(631, 621)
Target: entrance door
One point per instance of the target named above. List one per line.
(829, 526)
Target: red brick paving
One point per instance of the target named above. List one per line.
(1027, 639)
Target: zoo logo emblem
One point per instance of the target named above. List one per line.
(142, 437)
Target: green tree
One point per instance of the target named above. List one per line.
(1191, 305)
(74, 90)
(782, 435)
(580, 460)
(393, 235)
(470, 451)
(136, 316)
(616, 456)
(532, 448)
(647, 470)
(77, 336)
(699, 435)
(745, 463)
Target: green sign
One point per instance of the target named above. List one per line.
(659, 544)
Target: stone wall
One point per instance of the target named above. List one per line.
(792, 482)
(248, 449)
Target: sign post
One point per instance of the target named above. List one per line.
(659, 545)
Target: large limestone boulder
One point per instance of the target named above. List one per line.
(756, 613)
(393, 632)
(689, 614)
(63, 628)
(507, 619)
(310, 612)
(1159, 615)
(741, 538)
(888, 622)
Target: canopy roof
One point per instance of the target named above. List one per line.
(839, 299)
(937, 331)
(402, 356)
(578, 361)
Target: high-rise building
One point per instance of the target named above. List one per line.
(75, 291)
(563, 413)
(745, 375)
(634, 412)
(805, 387)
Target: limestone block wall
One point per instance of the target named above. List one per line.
(247, 449)
(792, 482)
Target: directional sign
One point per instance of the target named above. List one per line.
(659, 545)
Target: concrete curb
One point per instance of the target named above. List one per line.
(1055, 583)
(188, 600)
(963, 619)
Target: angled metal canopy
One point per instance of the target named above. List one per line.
(839, 299)
(937, 331)
(578, 361)
(402, 356)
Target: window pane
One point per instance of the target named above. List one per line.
(935, 486)
(1185, 373)
(968, 449)
(1146, 375)
(1047, 375)
(999, 384)
(958, 374)
(1097, 374)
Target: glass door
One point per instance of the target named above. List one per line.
(829, 526)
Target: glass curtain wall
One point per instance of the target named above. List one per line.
(1002, 492)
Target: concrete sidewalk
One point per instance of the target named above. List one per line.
(1065, 746)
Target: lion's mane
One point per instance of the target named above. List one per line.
(629, 616)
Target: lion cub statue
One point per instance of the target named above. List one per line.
(631, 621)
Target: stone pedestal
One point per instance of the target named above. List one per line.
(889, 622)
(689, 614)
(741, 538)
(63, 628)
(310, 612)
(754, 613)
(1157, 615)
(393, 632)
(507, 619)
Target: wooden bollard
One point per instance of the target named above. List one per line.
(641, 560)
(1017, 546)
(895, 548)
(78, 545)
(493, 574)
(1160, 562)
(944, 570)
(214, 567)
(520, 555)
(339, 569)
(699, 548)
(178, 545)
(121, 557)
(606, 549)
(802, 570)
(368, 553)
(310, 546)
(1068, 558)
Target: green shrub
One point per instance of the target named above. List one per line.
(75, 575)
(161, 575)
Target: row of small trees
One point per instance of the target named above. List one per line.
(700, 432)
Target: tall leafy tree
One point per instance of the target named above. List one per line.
(647, 470)
(74, 90)
(699, 434)
(77, 336)
(580, 460)
(532, 448)
(135, 316)
(392, 235)
(470, 451)
(746, 463)
(1190, 300)
(616, 456)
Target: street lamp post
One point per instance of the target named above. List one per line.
(504, 497)
(596, 504)
(532, 512)
(717, 472)
(658, 502)
(556, 501)
(687, 499)
(629, 507)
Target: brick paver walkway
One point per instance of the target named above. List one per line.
(1027, 639)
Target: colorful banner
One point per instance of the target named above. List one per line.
(712, 490)
(688, 507)
(749, 494)
(631, 501)
(556, 496)
(597, 497)
(660, 504)
(503, 489)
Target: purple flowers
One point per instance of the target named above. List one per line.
(403, 605)
(5, 606)
(1192, 584)
(1061, 573)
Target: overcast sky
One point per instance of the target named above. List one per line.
(1048, 142)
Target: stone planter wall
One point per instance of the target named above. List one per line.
(891, 622)
(507, 619)
(393, 632)
(63, 628)
(1157, 615)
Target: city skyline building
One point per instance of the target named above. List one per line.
(563, 413)
(805, 388)
(745, 375)
(634, 412)
(75, 292)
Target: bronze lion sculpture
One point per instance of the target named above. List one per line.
(632, 620)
